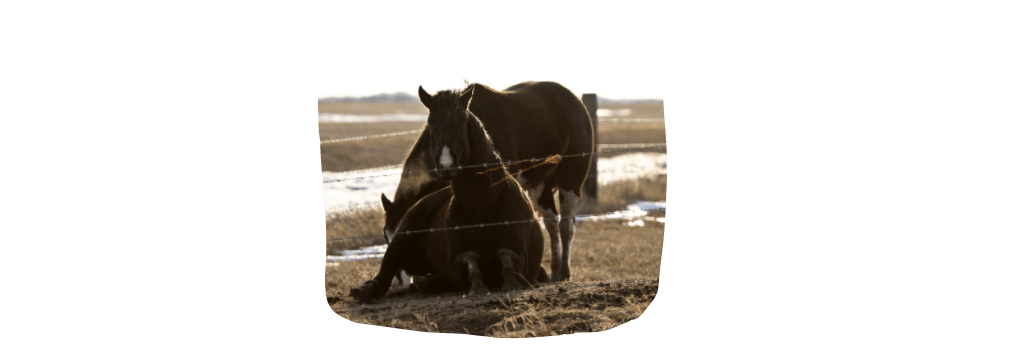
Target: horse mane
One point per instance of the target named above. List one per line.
(487, 150)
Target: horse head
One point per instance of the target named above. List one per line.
(447, 123)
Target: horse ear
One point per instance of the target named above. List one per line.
(425, 98)
(466, 97)
(385, 202)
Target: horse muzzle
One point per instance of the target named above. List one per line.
(447, 173)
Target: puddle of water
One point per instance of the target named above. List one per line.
(342, 195)
(635, 214)
(363, 253)
(631, 166)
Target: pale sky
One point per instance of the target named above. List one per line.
(608, 51)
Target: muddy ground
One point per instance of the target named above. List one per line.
(549, 309)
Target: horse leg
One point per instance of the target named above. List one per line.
(546, 205)
(471, 260)
(389, 268)
(569, 202)
(373, 288)
(511, 263)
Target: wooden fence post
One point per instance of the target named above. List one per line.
(591, 184)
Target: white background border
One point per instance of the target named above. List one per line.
(840, 174)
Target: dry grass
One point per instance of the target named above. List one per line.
(371, 153)
(631, 133)
(604, 252)
(618, 195)
(607, 256)
(362, 154)
(353, 229)
(372, 108)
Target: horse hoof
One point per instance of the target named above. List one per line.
(363, 293)
(360, 294)
(561, 276)
(511, 284)
(478, 290)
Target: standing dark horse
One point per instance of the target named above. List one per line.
(527, 120)
(489, 237)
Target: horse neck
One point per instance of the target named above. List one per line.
(422, 181)
(479, 188)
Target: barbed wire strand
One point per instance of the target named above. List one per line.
(456, 228)
(624, 146)
(395, 134)
(375, 136)
(487, 165)
(397, 165)
(389, 166)
(417, 131)
(632, 120)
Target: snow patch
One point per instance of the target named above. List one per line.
(370, 183)
(635, 215)
(343, 118)
(613, 113)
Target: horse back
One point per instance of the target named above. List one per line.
(545, 112)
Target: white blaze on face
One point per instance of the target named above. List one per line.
(445, 157)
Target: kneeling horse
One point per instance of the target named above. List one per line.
(479, 233)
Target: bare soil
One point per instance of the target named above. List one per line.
(615, 269)
(548, 310)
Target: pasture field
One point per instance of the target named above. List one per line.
(615, 277)
(615, 266)
(338, 157)
(362, 226)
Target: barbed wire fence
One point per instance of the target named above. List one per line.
(504, 223)
(417, 131)
(367, 137)
(619, 148)
(622, 147)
